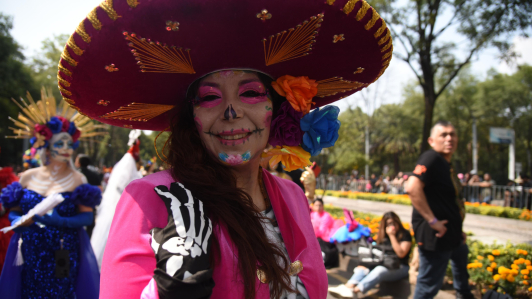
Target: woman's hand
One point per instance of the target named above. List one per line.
(182, 247)
(390, 230)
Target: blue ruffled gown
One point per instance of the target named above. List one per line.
(36, 278)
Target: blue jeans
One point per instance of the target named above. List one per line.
(366, 280)
(432, 268)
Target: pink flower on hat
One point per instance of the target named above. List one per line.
(44, 131)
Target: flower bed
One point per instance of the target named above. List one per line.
(403, 199)
(508, 265)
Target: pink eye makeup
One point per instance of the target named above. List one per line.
(208, 97)
(253, 93)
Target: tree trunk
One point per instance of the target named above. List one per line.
(427, 122)
(396, 163)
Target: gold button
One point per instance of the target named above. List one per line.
(296, 267)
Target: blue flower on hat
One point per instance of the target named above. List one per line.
(321, 129)
(55, 125)
(72, 129)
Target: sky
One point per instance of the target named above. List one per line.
(36, 20)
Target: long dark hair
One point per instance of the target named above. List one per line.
(400, 229)
(215, 185)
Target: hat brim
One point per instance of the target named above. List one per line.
(120, 68)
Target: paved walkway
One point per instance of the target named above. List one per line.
(486, 229)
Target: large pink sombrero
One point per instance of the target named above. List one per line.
(129, 62)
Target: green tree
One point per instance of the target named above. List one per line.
(15, 81)
(348, 152)
(419, 27)
(44, 64)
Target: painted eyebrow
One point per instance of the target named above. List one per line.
(249, 81)
(209, 84)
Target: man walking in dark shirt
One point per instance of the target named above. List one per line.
(437, 216)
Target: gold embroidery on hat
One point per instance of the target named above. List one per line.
(138, 112)
(381, 29)
(363, 10)
(154, 57)
(66, 56)
(93, 18)
(111, 68)
(338, 38)
(388, 54)
(103, 102)
(359, 70)
(63, 81)
(64, 70)
(72, 44)
(294, 43)
(132, 3)
(172, 26)
(80, 30)
(349, 6)
(383, 49)
(107, 6)
(385, 38)
(69, 101)
(264, 15)
(374, 17)
(68, 93)
(332, 86)
(330, 2)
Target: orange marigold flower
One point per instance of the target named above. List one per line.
(527, 262)
(491, 258)
(510, 278)
(493, 265)
(525, 283)
(299, 91)
(503, 270)
(530, 289)
(496, 277)
(489, 269)
(480, 257)
(514, 266)
(292, 157)
(529, 267)
(525, 272)
(496, 252)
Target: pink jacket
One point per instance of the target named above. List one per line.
(323, 224)
(129, 261)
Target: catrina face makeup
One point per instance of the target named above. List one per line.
(60, 148)
(232, 112)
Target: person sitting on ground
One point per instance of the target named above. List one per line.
(391, 234)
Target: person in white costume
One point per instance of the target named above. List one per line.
(123, 173)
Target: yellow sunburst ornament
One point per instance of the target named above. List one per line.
(40, 120)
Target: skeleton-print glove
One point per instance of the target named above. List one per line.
(182, 248)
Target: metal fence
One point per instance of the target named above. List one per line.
(508, 196)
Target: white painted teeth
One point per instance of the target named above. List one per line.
(233, 137)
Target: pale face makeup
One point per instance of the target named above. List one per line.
(232, 113)
(60, 147)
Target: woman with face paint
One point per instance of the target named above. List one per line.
(49, 255)
(218, 76)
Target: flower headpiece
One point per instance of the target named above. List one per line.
(39, 121)
(296, 133)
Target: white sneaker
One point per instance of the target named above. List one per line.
(342, 290)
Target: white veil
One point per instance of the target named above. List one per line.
(123, 173)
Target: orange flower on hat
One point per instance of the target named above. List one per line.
(299, 91)
(292, 157)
